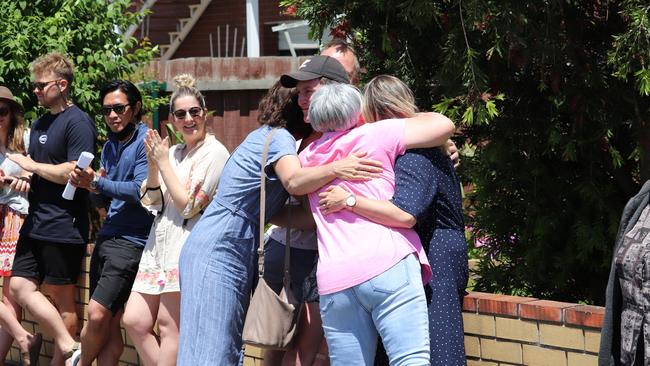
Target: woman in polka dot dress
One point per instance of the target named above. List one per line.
(427, 196)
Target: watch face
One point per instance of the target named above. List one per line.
(351, 201)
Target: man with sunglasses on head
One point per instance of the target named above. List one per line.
(120, 241)
(53, 238)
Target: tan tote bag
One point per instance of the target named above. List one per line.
(272, 319)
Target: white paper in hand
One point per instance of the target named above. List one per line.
(84, 161)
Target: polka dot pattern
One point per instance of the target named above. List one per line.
(428, 188)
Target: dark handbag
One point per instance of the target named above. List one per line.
(272, 319)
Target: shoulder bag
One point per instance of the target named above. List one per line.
(272, 319)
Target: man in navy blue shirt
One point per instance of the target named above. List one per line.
(53, 238)
(120, 241)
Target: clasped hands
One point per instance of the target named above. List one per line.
(157, 148)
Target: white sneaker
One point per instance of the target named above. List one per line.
(76, 357)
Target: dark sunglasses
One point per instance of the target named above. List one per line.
(40, 85)
(194, 112)
(4, 111)
(118, 108)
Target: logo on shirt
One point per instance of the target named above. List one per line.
(42, 139)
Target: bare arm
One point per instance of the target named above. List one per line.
(427, 130)
(381, 212)
(153, 180)
(299, 181)
(300, 219)
(56, 173)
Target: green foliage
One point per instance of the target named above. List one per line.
(175, 137)
(551, 98)
(88, 31)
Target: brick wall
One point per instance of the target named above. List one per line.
(129, 356)
(165, 16)
(500, 330)
(509, 330)
(232, 87)
(503, 330)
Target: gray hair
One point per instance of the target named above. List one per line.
(335, 107)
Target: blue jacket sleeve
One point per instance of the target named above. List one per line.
(127, 191)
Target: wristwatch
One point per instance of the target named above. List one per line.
(93, 183)
(351, 200)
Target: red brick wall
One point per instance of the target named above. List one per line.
(511, 330)
(234, 111)
(165, 15)
(500, 330)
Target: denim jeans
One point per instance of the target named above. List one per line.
(392, 305)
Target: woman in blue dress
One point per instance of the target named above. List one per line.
(217, 260)
(427, 195)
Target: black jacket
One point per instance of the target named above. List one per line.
(610, 337)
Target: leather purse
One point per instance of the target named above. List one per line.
(272, 319)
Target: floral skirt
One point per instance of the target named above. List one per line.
(10, 224)
(158, 270)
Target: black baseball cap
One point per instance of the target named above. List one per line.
(314, 68)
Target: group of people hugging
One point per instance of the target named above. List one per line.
(378, 252)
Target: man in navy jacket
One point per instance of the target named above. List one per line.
(120, 241)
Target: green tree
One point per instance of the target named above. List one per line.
(88, 31)
(552, 100)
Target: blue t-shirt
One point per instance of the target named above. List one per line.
(56, 139)
(126, 168)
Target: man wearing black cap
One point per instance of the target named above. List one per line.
(311, 75)
(310, 345)
(316, 67)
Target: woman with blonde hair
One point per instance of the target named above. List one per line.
(218, 261)
(427, 197)
(13, 208)
(181, 182)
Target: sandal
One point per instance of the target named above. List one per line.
(30, 358)
(74, 353)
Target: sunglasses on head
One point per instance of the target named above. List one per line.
(118, 108)
(194, 112)
(40, 85)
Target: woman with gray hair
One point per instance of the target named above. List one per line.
(428, 199)
(369, 275)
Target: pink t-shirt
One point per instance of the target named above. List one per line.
(351, 248)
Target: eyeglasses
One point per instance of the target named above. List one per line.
(40, 85)
(181, 113)
(4, 111)
(118, 108)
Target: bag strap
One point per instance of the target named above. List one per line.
(260, 248)
(286, 279)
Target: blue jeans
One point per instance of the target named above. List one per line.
(392, 305)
